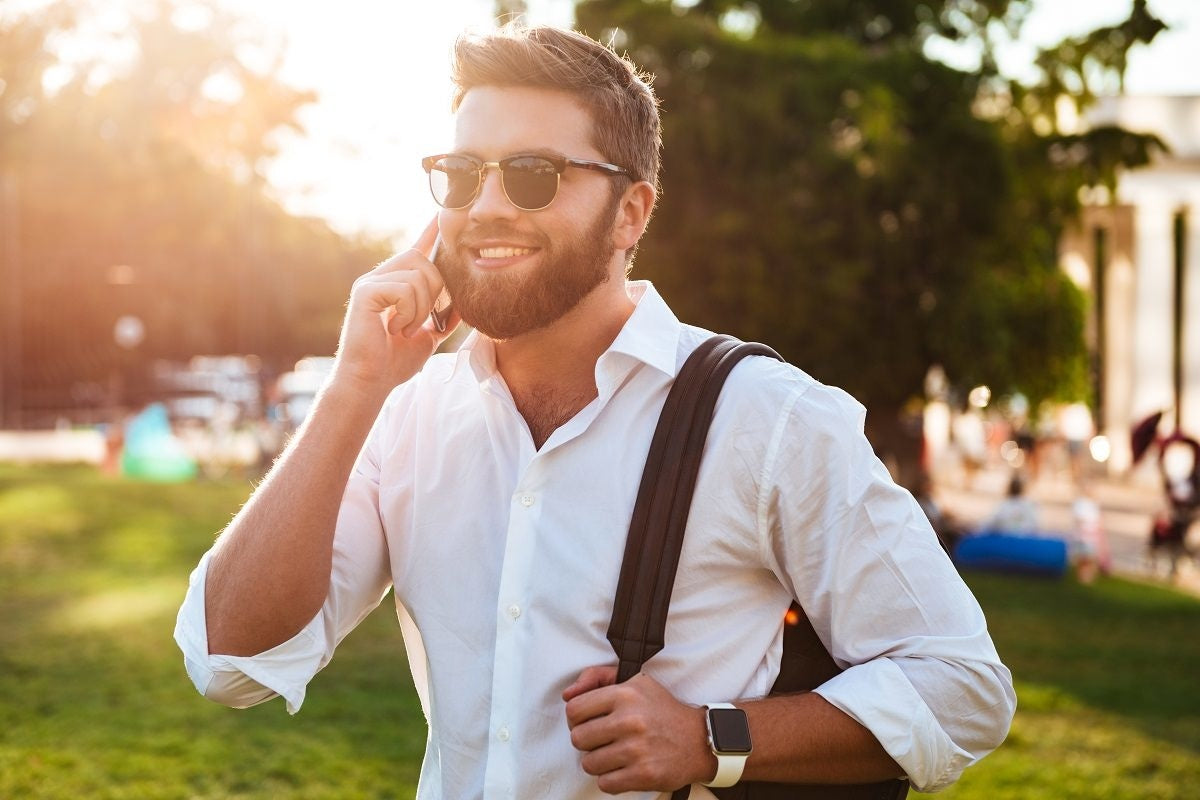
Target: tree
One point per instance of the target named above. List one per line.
(833, 190)
(139, 191)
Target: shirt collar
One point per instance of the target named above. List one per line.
(650, 335)
(477, 353)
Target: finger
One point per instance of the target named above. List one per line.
(411, 305)
(428, 335)
(452, 320)
(431, 289)
(401, 297)
(421, 250)
(604, 759)
(399, 319)
(381, 292)
(599, 702)
(594, 734)
(591, 678)
(589, 705)
(405, 296)
(632, 778)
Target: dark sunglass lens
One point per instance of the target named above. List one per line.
(530, 182)
(454, 181)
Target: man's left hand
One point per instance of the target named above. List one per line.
(636, 736)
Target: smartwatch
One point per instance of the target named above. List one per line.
(729, 737)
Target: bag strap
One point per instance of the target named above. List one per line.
(653, 547)
(664, 500)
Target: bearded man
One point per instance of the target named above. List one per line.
(492, 488)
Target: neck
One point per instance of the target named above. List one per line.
(569, 346)
(551, 372)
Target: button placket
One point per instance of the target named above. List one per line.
(509, 657)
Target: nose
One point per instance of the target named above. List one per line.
(492, 203)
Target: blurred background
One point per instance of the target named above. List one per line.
(973, 208)
(976, 216)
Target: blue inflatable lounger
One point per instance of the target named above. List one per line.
(1006, 552)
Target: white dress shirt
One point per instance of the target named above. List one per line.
(505, 559)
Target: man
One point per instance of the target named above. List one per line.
(494, 487)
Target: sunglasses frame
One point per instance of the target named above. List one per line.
(560, 164)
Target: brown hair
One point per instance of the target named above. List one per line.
(617, 96)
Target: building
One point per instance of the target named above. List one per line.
(1138, 257)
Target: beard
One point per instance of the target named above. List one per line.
(502, 306)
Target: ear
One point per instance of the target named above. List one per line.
(633, 213)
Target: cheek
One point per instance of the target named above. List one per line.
(580, 219)
(450, 225)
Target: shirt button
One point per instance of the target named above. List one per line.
(514, 611)
(502, 734)
(527, 500)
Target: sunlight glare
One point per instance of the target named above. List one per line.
(382, 72)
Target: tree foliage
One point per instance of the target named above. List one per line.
(137, 189)
(830, 188)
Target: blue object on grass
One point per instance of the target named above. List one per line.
(1006, 552)
(152, 452)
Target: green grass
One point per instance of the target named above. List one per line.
(1108, 691)
(94, 702)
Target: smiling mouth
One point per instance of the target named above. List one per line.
(504, 252)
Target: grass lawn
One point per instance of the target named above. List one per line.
(94, 702)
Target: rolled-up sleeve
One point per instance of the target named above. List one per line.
(920, 669)
(359, 580)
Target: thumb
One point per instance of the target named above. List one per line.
(591, 678)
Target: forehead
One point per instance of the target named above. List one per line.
(497, 121)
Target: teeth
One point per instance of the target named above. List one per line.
(503, 252)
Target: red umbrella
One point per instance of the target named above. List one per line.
(1144, 434)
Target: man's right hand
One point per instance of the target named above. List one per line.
(387, 335)
(271, 569)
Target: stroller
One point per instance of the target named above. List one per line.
(1179, 465)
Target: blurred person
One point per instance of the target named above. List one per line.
(1016, 514)
(970, 436)
(1075, 425)
(1179, 464)
(492, 488)
(113, 432)
(1090, 542)
(1027, 442)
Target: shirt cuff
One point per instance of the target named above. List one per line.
(879, 696)
(242, 681)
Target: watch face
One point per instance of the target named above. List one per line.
(730, 731)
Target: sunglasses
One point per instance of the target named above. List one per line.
(530, 182)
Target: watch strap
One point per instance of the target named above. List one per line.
(729, 766)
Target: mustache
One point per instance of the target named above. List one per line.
(479, 234)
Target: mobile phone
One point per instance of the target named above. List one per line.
(442, 306)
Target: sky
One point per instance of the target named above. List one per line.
(380, 70)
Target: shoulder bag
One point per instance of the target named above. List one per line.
(652, 557)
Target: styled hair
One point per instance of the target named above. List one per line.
(616, 95)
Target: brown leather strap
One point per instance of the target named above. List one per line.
(655, 540)
(660, 513)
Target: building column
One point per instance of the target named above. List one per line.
(1117, 373)
(1190, 413)
(1153, 325)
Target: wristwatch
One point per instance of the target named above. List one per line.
(729, 737)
